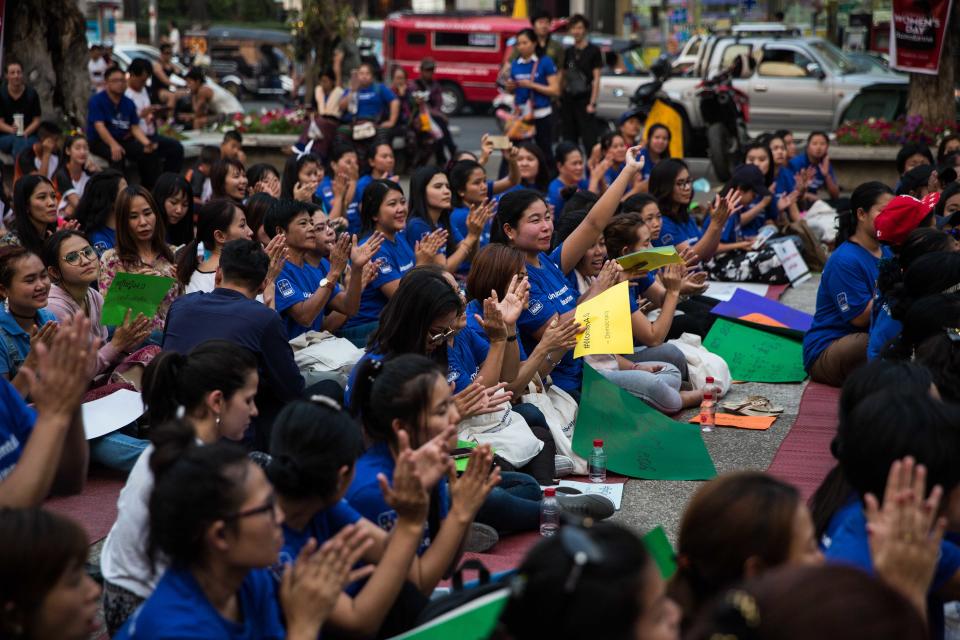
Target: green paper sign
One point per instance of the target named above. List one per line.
(755, 355)
(639, 441)
(651, 259)
(137, 291)
(461, 463)
(475, 620)
(662, 551)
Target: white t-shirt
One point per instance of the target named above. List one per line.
(202, 281)
(96, 68)
(142, 100)
(124, 561)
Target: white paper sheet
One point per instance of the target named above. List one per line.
(111, 412)
(613, 491)
(723, 291)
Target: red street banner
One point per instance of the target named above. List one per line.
(916, 34)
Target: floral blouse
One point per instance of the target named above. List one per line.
(111, 265)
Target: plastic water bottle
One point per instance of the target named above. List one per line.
(598, 463)
(713, 388)
(708, 413)
(549, 512)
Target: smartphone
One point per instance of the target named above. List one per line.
(500, 142)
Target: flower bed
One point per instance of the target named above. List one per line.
(879, 132)
(275, 121)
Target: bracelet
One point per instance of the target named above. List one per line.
(512, 338)
(550, 360)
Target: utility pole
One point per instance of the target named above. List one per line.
(152, 15)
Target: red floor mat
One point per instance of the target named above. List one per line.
(804, 458)
(774, 291)
(96, 508)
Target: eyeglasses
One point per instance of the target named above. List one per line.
(442, 336)
(684, 184)
(73, 258)
(269, 507)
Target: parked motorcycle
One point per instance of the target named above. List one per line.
(725, 111)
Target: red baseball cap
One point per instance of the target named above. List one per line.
(902, 215)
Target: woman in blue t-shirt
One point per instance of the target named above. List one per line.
(405, 401)
(214, 517)
(613, 153)
(337, 187)
(570, 177)
(535, 82)
(431, 200)
(657, 148)
(524, 222)
(314, 450)
(95, 209)
(671, 185)
(836, 342)
(380, 167)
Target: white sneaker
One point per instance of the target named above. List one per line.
(562, 466)
(480, 538)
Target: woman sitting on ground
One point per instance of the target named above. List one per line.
(228, 179)
(35, 213)
(96, 210)
(172, 194)
(836, 342)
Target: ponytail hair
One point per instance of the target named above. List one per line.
(194, 486)
(216, 215)
(398, 388)
(863, 197)
(172, 380)
(310, 443)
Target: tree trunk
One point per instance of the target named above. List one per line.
(932, 97)
(49, 38)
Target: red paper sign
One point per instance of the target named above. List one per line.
(917, 32)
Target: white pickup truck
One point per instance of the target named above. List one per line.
(801, 84)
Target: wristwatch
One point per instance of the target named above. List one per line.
(325, 283)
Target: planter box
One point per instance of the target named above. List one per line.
(857, 164)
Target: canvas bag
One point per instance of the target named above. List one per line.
(506, 431)
(560, 410)
(323, 351)
(702, 363)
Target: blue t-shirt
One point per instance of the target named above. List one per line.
(398, 258)
(419, 227)
(802, 162)
(296, 284)
(648, 164)
(16, 425)
(554, 197)
(373, 102)
(637, 288)
(458, 220)
(118, 117)
(323, 526)
(103, 239)
(178, 608)
(674, 233)
(846, 288)
(465, 358)
(520, 70)
(845, 542)
(324, 193)
(612, 173)
(366, 497)
(883, 328)
(752, 228)
(14, 341)
(352, 378)
(550, 294)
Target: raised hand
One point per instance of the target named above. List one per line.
(61, 373)
(634, 159)
(432, 460)
(905, 533)
(671, 276)
(723, 207)
(515, 300)
(486, 144)
(825, 165)
(609, 275)
(360, 254)
(689, 257)
(478, 217)
(492, 320)
(470, 490)
(341, 182)
(132, 332)
(303, 192)
(277, 252)
(340, 253)
(560, 335)
(370, 272)
(427, 247)
(694, 283)
(407, 496)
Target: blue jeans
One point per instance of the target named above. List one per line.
(514, 505)
(13, 145)
(117, 450)
(358, 334)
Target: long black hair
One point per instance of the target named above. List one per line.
(509, 211)
(418, 203)
(662, 180)
(423, 296)
(167, 186)
(216, 215)
(23, 221)
(291, 172)
(863, 197)
(544, 172)
(99, 196)
(373, 196)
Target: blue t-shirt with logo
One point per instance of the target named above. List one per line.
(16, 425)
(178, 608)
(118, 117)
(398, 258)
(325, 193)
(554, 197)
(674, 232)
(419, 227)
(799, 163)
(883, 328)
(522, 70)
(846, 288)
(550, 294)
(458, 220)
(102, 239)
(373, 102)
(465, 358)
(296, 284)
(366, 497)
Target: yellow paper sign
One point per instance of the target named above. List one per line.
(650, 259)
(606, 319)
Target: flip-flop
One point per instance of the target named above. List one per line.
(753, 406)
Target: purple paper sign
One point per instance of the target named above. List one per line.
(749, 307)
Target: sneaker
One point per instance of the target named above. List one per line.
(562, 466)
(480, 538)
(587, 506)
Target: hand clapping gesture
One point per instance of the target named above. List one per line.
(340, 253)
(479, 216)
(132, 332)
(360, 254)
(671, 276)
(514, 301)
(470, 490)
(478, 400)
(723, 207)
(427, 247)
(560, 335)
(492, 320)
